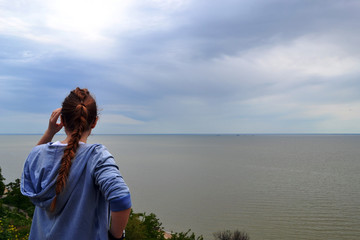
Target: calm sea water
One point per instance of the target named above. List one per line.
(270, 186)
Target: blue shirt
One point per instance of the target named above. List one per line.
(94, 186)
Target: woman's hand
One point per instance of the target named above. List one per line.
(53, 127)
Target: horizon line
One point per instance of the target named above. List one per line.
(62, 134)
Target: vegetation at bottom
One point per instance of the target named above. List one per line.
(147, 226)
(228, 235)
(16, 212)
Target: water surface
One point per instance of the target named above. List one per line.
(270, 186)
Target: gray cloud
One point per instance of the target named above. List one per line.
(193, 66)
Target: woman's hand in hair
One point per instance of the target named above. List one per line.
(53, 127)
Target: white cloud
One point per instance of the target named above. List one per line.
(341, 112)
(181, 65)
(281, 64)
(117, 123)
(118, 119)
(135, 110)
(305, 56)
(84, 28)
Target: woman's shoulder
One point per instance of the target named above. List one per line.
(97, 147)
(97, 150)
(96, 155)
(43, 154)
(42, 148)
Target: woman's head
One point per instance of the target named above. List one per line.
(79, 111)
(79, 115)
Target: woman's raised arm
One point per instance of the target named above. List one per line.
(53, 127)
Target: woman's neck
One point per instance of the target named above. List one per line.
(83, 138)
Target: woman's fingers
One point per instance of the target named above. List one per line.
(53, 125)
(55, 115)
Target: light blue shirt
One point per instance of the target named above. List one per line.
(94, 186)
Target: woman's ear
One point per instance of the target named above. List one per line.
(95, 122)
(62, 121)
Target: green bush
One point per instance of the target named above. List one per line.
(15, 210)
(144, 226)
(147, 226)
(185, 236)
(135, 228)
(13, 224)
(16, 199)
(228, 235)
(2, 184)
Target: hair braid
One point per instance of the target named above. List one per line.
(78, 121)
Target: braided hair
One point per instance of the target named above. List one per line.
(79, 113)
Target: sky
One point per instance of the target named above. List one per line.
(184, 66)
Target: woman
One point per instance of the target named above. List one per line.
(75, 185)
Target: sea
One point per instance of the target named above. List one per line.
(270, 186)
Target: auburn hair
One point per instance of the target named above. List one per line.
(78, 113)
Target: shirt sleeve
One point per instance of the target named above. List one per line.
(108, 178)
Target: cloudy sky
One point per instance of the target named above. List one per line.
(184, 66)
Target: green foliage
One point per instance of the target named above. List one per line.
(185, 236)
(13, 224)
(16, 199)
(153, 227)
(14, 212)
(135, 229)
(228, 235)
(147, 226)
(142, 226)
(2, 184)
